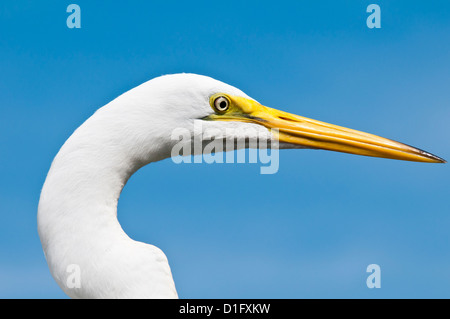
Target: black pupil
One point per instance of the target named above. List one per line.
(223, 104)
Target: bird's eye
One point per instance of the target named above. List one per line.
(221, 104)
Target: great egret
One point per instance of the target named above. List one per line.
(77, 213)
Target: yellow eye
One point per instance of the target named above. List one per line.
(221, 103)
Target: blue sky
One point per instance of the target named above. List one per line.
(308, 231)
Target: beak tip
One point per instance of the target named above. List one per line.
(428, 157)
(437, 159)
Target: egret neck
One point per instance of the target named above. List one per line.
(77, 218)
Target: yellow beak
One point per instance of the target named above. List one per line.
(305, 132)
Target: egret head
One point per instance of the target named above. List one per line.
(186, 100)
